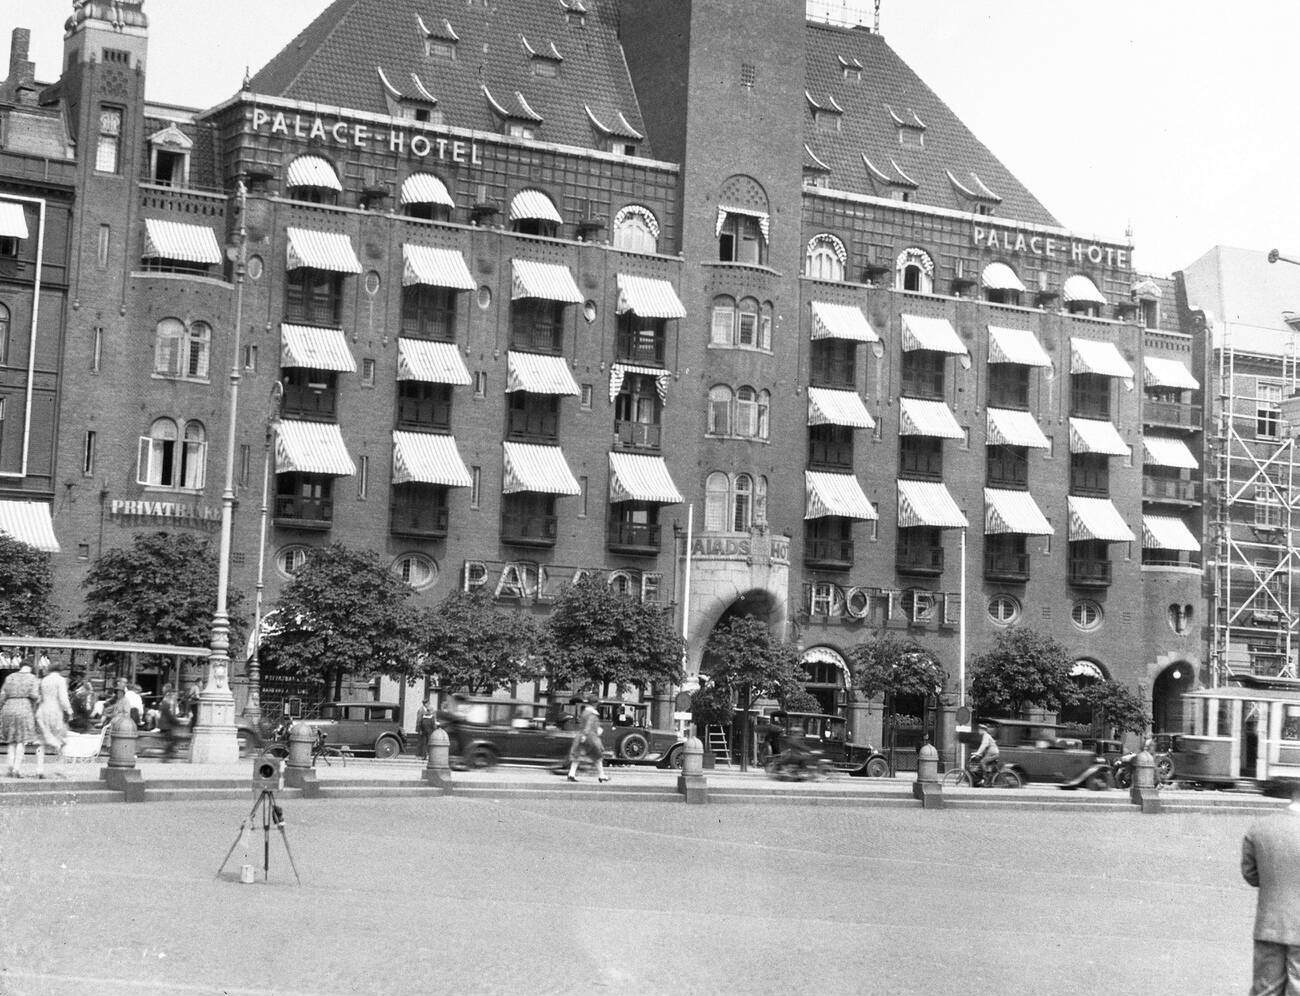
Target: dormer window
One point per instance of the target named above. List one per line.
(439, 39)
(518, 129)
(169, 157)
(618, 135)
(850, 69)
(544, 61)
(911, 129)
(439, 48)
(520, 121)
(575, 12)
(826, 113)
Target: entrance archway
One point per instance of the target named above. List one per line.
(1085, 672)
(1167, 696)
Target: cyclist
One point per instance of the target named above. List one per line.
(987, 755)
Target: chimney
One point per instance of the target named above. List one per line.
(22, 72)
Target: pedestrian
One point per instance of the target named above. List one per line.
(170, 717)
(18, 698)
(52, 714)
(192, 704)
(135, 702)
(83, 706)
(587, 741)
(1270, 861)
(425, 723)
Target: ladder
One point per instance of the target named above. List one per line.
(718, 745)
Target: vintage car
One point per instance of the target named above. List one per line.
(630, 738)
(1035, 752)
(493, 730)
(831, 735)
(362, 727)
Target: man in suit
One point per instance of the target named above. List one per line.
(1270, 861)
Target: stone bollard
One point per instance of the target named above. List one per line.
(298, 770)
(121, 775)
(1144, 792)
(926, 788)
(691, 782)
(437, 772)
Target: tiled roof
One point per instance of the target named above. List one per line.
(334, 61)
(888, 93)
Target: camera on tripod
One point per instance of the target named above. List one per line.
(266, 773)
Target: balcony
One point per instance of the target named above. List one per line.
(311, 403)
(1172, 414)
(927, 561)
(529, 530)
(293, 512)
(639, 538)
(1012, 567)
(532, 426)
(925, 385)
(1170, 489)
(630, 435)
(417, 520)
(828, 554)
(1089, 572)
(833, 456)
(639, 348)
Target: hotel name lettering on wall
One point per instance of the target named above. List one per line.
(1037, 244)
(177, 512)
(527, 583)
(775, 549)
(829, 602)
(357, 135)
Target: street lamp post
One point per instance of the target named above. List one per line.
(253, 706)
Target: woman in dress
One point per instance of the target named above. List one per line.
(18, 697)
(52, 714)
(587, 740)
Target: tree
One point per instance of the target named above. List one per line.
(601, 638)
(800, 700)
(1025, 668)
(890, 666)
(1115, 707)
(469, 642)
(26, 583)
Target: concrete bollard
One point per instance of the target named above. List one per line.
(121, 775)
(691, 782)
(1144, 792)
(926, 788)
(298, 770)
(437, 771)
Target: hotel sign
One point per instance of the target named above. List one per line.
(528, 583)
(358, 135)
(1037, 244)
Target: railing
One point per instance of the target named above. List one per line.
(1171, 413)
(1006, 566)
(1090, 408)
(836, 456)
(629, 435)
(1169, 558)
(310, 403)
(417, 520)
(532, 427)
(633, 348)
(927, 560)
(303, 513)
(830, 553)
(1089, 485)
(529, 530)
(537, 338)
(634, 537)
(412, 414)
(1090, 573)
(925, 387)
(833, 378)
(1013, 479)
(921, 470)
(1170, 489)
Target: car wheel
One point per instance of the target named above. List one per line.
(633, 747)
(1124, 778)
(674, 759)
(1164, 769)
(482, 757)
(387, 747)
(1097, 781)
(877, 767)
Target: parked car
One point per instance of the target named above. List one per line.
(831, 736)
(631, 739)
(517, 730)
(362, 727)
(1037, 754)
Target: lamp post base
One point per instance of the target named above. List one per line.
(214, 740)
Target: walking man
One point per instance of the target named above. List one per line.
(1270, 861)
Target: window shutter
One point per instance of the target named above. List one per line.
(142, 474)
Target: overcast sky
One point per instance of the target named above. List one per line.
(1166, 115)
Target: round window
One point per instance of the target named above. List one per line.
(372, 283)
(485, 297)
(254, 267)
(290, 558)
(589, 311)
(1004, 609)
(416, 569)
(1086, 614)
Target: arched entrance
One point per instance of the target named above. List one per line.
(1167, 696)
(828, 679)
(1085, 672)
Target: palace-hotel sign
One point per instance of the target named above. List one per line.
(1037, 244)
(358, 135)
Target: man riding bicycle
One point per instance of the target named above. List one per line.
(987, 755)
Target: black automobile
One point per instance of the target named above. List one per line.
(493, 730)
(631, 739)
(831, 736)
(1036, 753)
(362, 727)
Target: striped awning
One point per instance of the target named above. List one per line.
(999, 276)
(1167, 532)
(927, 418)
(1016, 346)
(1008, 427)
(618, 371)
(1160, 372)
(927, 332)
(533, 205)
(764, 221)
(426, 458)
(1168, 451)
(431, 362)
(435, 267)
(549, 281)
(539, 374)
(841, 321)
(425, 188)
(835, 494)
(637, 477)
(1081, 288)
(13, 220)
(30, 522)
(1088, 356)
(1097, 519)
(648, 297)
(312, 171)
(322, 251)
(175, 240)
(311, 448)
(1091, 435)
(927, 503)
(318, 349)
(829, 407)
(1014, 512)
(543, 469)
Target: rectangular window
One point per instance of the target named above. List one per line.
(245, 460)
(476, 486)
(965, 437)
(363, 477)
(83, 551)
(108, 150)
(873, 530)
(1268, 401)
(1047, 540)
(367, 373)
(724, 324)
(88, 455)
(585, 401)
(821, 599)
(250, 357)
(101, 257)
(748, 328)
(748, 75)
(480, 384)
(1268, 511)
(582, 498)
(97, 350)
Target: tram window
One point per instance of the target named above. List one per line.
(1223, 727)
(1291, 723)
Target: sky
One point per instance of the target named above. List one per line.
(1166, 116)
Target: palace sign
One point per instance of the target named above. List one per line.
(1037, 244)
(356, 135)
(527, 582)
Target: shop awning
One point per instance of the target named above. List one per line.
(618, 371)
(1081, 288)
(637, 477)
(175, 240)
(1166, 532)
(322, 251)
(431, 362)
(425, 188)
(829, 407)
(435, 267)
(13, 220)
(543, 469)
(841, 321)
(311, 448)
(426, 458)
(1168, 451)
(1016, 346)
(1088, 356)
(835, 494)
(999, 276)
(1097, 519)
(1160, 372)
(29, 522)
(533, 205)
(1008, 427)
(316, 348)
(539, 374)
(548, 281)
(764, 222)
(312, 171)
(927, 503)
(1014, 512)
(1091, 435)
(648, 297)
(926, 332)
(927, 418)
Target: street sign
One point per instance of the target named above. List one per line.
(682, 716)
(682, 702)
(963, 718)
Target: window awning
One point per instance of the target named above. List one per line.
(311, 448)
(617, 371)
(539, 374)
(1014, 512)
(533, 205)
(927, 418)
(927, 503)
(322, 251)
(312, 171)
(175, 240)
(425, 188)
(835, 494)
(1168, 451)
(1016, 346)
(1081, 288)
(13, 220)
(426, 458)
(1167, 532)
(637, 477)
(999, 276)
(927, 332)
(648, 297)
(431, 362)
(829, 407)
(319, 349)
(29, 522)
(549, 281)
(764, 222)
(1091, 435)
(543, 469)
(1088, 356)
(841, 321)
(1160, 372)
(1097, 519)
(1007, 427)
(435, 267)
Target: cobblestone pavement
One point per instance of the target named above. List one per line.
(448, 894)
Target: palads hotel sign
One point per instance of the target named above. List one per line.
(359, 135)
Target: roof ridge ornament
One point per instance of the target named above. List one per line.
(392, 90)
(422, 89)
(907, 180)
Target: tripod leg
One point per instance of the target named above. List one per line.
(285, 839)
(267, 803)
(238, 837)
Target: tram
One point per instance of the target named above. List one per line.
(1247, 732)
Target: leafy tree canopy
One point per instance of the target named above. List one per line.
(1025, 668)
(888, 665)
(1116, 707)
(470, 642)
(743, 655)
(800, 700)
(26, 583)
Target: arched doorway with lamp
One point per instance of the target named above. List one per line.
(1167, 696)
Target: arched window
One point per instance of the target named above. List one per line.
(157, 455)
(747, 412)
(425, 196)
(193, 456)
(742, 503)
(312, 178)
(825, 258)
(719, 410)
(532, 212)
(636, 229)
(4, 334)
(716, 493)
(169, 345)
(197, 346)
(747, 331)
(914, 271)
(722, 329)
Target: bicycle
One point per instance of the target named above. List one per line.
(962, 777)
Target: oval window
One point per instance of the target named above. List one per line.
(416, 570)
(289, 559)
